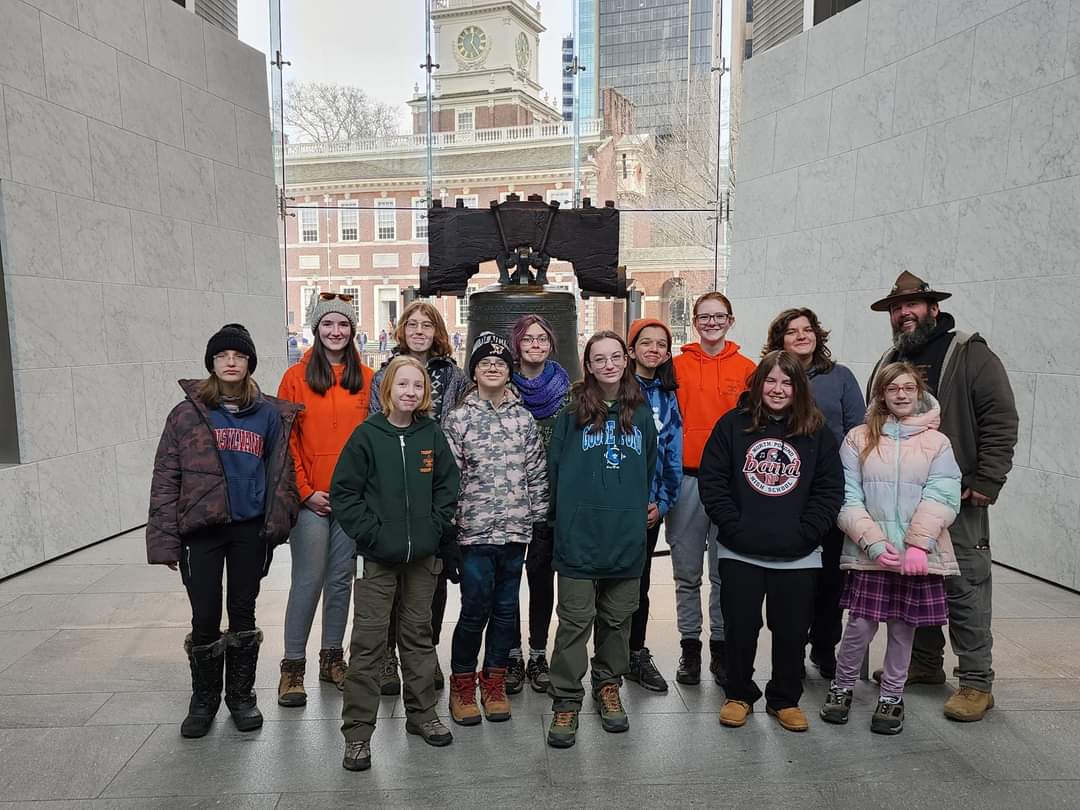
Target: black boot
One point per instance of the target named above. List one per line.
(207, 663)
(241, 656)
(716, 662)
(689, 671)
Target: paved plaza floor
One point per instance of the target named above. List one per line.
(93, 685)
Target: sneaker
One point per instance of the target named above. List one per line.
(888, 716)
(538, 673)
(493, 695)
(918, 676)
(968, 705)
(790, 718)
(612, 714)
(439, 680)
(433, 732)
(825, 661)
(837, 705)
(357, 755)
(562, 733)
(515, 675)
(716, 662)
(290, 690)
(734, 712)
(332, 667)
(689, 671)
(389, 680)
(643, 671)
(463, 708)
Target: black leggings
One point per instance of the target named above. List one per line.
(204, 557)
(640, 621)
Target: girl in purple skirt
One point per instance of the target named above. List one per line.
(902, 491)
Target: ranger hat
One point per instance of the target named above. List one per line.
(906, 287)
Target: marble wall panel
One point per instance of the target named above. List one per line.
(765, 206)
(792, 263)
(973, 307)
(1043, 143)
(163, 392)
(934, 84)
(1072, 53)
(80, 71)
(235, 71)
(20, 530)
(193, 317)
(78, 500)
(755, 147)
(134, 467)
(263, 262)
(1054, 439)
(1019, 50)
(120, 23)
(219, 259)
(852, 255)
(921, 241)
(253, 136)
(29, 230)
(136, 323)
(896, 29)
(248, 197)
(61, 9)
(76, 305)
(209, 125)
(163, 251)
(21, 61)
(802, 133)
(95, 240)
(5, 154)
(1033, 525)
(967, 155)
(125, 168)
(889, 176)
(175, 40)
(774, 83)
(835, 50)
(264, 318)
(1024, 387)
(109, 405)
(862, 111)
(187, 185)
(270, 371)
(866, 333)
(826, 191)
(955, 16)
(1063, 238)
(48, 144)
(1003, 235)
(45, 406)
(1026, 314)
(746, 274)
(150, 101)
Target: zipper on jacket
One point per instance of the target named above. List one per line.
(188, 550)
(408, 509)
(896, 488)
(217, 454)
(287, 421)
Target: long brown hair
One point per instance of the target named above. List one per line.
(821, 361)
(589, 404)
(804, 418)
(212, 394)
(320, 373)
(440, 345)
(877, 414)
(387, 384)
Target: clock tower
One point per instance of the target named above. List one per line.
(488, 77)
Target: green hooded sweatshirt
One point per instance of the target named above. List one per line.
(599, 483)
(395, 490)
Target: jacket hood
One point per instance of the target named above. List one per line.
(927, 416)
(694, 349)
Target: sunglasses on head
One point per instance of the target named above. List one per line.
(329, 296)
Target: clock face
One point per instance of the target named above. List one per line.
(472, 42)
(523, 51)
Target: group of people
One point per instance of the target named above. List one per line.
(797, 493)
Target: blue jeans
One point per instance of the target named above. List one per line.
(322, 565)
(490, 578)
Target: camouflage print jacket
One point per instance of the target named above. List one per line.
(504, 487)
(188, 491)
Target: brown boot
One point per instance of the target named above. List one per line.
(968, 704)
(733, 713)
(463, 708)
(332, 667)
(790, 718)
(493, 694)
(290, 690)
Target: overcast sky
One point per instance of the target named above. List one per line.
(376, 44)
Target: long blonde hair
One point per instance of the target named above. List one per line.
(877, 414)
(387, 384)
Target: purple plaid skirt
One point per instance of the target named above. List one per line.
(882, 595)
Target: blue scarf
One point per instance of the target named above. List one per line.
(543, 394)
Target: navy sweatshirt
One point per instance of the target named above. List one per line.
(245, 440)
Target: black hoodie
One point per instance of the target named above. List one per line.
(772, 496)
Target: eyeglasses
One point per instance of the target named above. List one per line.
(486, 364)
(425, 326)
(909, 388)
(329, 296)
(714, 317)
(538, 340)
(603, 362)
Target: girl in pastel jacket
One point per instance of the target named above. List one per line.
(902, 491)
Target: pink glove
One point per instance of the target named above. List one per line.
(914, 563)
(883, 553)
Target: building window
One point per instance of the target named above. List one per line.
(419, 218)
(307, 302)
(349, 221)
(749, 49)
(385, 220)
(355, 293)
(309, 224)
(463, 307)
(468, 200)
(624, 166)
(564, 196)
(464, 120)
(749, 10)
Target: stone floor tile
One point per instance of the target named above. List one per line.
(14, 644)
(264, 801)
(49, 711)
(54, 579)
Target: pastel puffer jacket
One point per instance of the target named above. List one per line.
(907, 492)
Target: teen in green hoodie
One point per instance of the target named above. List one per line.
(394, 492)
(600, 467)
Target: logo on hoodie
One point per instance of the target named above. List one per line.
(772, 467)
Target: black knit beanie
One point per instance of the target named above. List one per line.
(488, 344)
(231, 336)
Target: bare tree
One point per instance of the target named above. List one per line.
(325, 112)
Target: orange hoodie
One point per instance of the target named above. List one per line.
(708, 388)
(324, 425)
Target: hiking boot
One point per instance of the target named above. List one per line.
(689, 671)
(612, 714)
(888, 716)
(357, 755)
(389, 680)
(538, 673)
(562, 733)
(918, 676)
(790, 718)
(463, 708)
(207, 663)
(433, 732)
(439, 681)
(332, 667)
(643, 671)
(968, 704)
(515, 675)
(837, 705)
(716, 662)
(493, 695)
(733, 713)
(290, 689)
(241, 657)
(825, 661)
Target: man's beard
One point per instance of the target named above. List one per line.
(908, 342)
